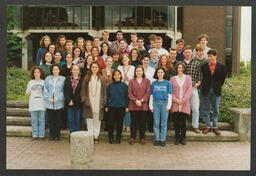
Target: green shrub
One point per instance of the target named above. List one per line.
(17, 80)
(236, 92)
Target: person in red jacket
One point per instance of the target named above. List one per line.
(97, 58)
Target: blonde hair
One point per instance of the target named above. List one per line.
(42, 40)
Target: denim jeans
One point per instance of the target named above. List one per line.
(38, 123)
(194, 104)
(127, 119)
(74, 116)
(159, 107)
(206, 101)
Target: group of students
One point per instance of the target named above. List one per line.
(127, 85)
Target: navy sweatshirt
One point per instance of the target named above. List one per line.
(117, 95)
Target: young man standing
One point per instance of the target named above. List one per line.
(105, 37)
(160, 50)
(179, 48)
(173, 54)
(119, 36)
(69, 48)
(134, 43)
(96, 42)
(152, 40)
(141, 47)
(194, 70)
(200, 55)
(214, 75)
(203, 39)
(123, 47)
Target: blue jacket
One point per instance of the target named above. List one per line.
(40, 52)
(117, 95)
(58, 95)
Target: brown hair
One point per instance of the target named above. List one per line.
(105, 32)
(76, 43)
(113, 79)
(42, 40)
(89, 74)
(213, 52)
(122, 57)
(134, 33)
(68, 53)
(180, 40)
(203, 36)
(172, 49)
(140, 38)
(56, 65)
(137, 67)
(138, 53)
(199, 47)
(184, 66)
(159, 38)
(43, 57)
(73, 65)
(152, 37)
(58, 46)
(168, 64)
(69, 41)
(188, 47)
(32, 71)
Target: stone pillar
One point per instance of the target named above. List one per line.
(242, 122)
(81, 150)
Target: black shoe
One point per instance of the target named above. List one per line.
(51, 138)
(183, 142)
(111, 140)
(151, 130)
(177, 141)
(162, 143)
(57, 138)
(118, 140)
(156, 143)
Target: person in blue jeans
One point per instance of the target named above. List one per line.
(37, 108)
(72, 87)
(160, 103)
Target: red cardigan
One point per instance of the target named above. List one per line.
(101, 62)
(138, 91)
(187, 93)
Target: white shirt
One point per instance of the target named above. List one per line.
(149, 73)
(94, 94)
(128, 74)
(180, 82)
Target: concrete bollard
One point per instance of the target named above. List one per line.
(81, 150)
(242, 122)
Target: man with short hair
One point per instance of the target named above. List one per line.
(153, 61)
(203, 39)
(179, 47)
(173, 54)
(68, 47)
(123, 47)
(152, 39)
(134, 43)
(119, 36)
(200, 55)
(105, 37)
(193, 69)
(141, 47)
(158, 45)
(214, 75)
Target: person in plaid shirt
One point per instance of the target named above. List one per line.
(193, 70)
(115, 44)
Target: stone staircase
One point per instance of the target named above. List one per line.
(19, 125)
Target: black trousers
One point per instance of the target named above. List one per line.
(55, 121)
(180, 124)
(138, 121)
(115, 121)
(149, 120)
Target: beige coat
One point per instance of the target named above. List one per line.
(87, 108)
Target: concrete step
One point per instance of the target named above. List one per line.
(17, 112)
(18, 120)
(226, 136)
(17, 104)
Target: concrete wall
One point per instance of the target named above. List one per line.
(209, 20)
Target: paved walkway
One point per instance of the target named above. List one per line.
(23, 153)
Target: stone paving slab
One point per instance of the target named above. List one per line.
(228, 136)
(24, 153)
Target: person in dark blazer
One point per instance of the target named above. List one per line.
(72, 88)
(214, 75)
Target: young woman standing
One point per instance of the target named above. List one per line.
(182, 92)
(127, 72)
(88, 48)
(37, 108)
(105, 51)
(115, 55)
(97, 58)
(66, 68)
(60, 43)
(58, 58)
(139, 93)
(44, 44)
(54, 100)
(135, 57)
(117, 103)
(160, 103)
(47, 61)
(72, 88)
(93, 98)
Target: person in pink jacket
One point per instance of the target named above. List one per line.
(182, 92)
